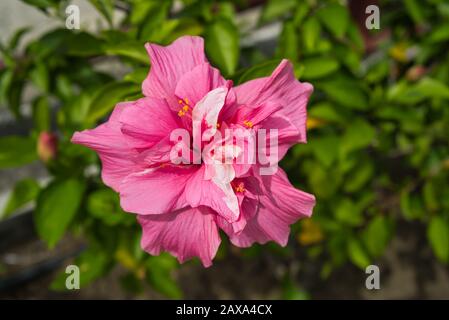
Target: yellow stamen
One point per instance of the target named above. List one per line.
(185, 107)
(240, 188)
(248, 123)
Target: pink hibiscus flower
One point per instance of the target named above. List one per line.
(180, 202)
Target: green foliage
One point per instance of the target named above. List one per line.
(222, 45)
(438, 234)
(16, 151)
(377, 153)
(56, 207)
(24, 192)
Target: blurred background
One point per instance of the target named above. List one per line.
(377, 156)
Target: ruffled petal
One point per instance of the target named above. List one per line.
(195, 84)
(155, 190)
(202, 192)
(147, 122)
(169, 64)
(185, 234)
(279, 88)
(118, 159)
(280, 206)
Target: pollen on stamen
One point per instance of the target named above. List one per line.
(248, 123)
(240, 188)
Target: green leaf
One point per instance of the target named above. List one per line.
(335, 18)
(288, 42)
(56, 207)
(104, 204)
(159, 275)
(359, 176)
(275, 8)
(315, 68)
(430, 195)
(42, 4)
(105, 7)
(301, 11)
(181, 27)
(311, 32)
(345, 92)
(377, 235)
(107, 97)
(24, 191)
(137, 76)
(84, 44)
(39, 76)
(6, 79)
(156, 17)
(431, 88)
(263, 69)
(438, 236)
(15, 39)
(355, 36)
(357, 253)
(426, 88)
(41, 114)
(326, 111)
(325, 148)
(129, 49)
(347, 212)
(54, 42)
(414, 10)
(16, 151)
(439, 33)
(222, 45)
(411, 205)
(291, 291)
(359, 134)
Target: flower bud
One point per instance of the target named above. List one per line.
(47, 146)
(415, 73)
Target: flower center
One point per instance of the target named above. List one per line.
(248, 124)
(240, 188)
(185, 107)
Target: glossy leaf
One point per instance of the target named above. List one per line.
(222, 45)
(56, 207)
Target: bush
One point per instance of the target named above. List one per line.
(378, 126)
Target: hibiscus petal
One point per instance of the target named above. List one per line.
(169, 64)
(116, 156)
(185, 234)
(287, 134)
(280, 206)
(195, 84)
(255, 115)
(208, 109)
(156, 190)
(147, 122)
(201, 192)
(282, 88)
